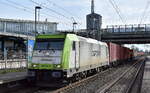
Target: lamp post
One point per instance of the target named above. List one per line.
(74, 23)
(36, 8)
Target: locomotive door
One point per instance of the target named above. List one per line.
(77, 55)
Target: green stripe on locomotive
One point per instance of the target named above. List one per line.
(67, 49)
(69, 38)
(51, 36)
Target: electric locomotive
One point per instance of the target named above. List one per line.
(66, 57)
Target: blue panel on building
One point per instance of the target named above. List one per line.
(30, 49)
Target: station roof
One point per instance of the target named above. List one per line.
(25, 21)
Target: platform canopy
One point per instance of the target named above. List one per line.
(25, 28)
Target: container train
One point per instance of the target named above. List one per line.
(68, 57)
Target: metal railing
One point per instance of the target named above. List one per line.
(13, 60)
(128, 28)
(13, 64)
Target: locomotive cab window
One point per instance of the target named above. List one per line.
(49, 45)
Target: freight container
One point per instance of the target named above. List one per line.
(114, 51)
(118, 53)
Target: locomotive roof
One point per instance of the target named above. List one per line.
(51, 36)
(90, 40)
(72, 37)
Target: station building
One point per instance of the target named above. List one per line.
(16, 44)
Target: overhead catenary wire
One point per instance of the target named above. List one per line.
(50, 10)
(16, 7)
(66, 17)
(18, 4)
(24, 8)
(30, 10)
(114, 5)
(143, 17)
(27, 8)
(65, 10)
(118, 8)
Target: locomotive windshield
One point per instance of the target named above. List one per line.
(49, 45)
(48, 51)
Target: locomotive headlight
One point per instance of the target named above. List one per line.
(34, 65)
(58, 66)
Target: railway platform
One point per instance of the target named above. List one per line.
(146, 77)
(14, 76)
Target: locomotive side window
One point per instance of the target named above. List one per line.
(73, 45)
(0, 45)
(107, 51)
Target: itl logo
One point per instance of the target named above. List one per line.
(95, 53)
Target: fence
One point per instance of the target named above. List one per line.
(13, 60)
(13, 64)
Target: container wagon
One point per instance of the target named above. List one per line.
(118, 53)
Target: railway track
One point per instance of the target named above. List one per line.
(102, 82)
(98, 83)
(125, 83)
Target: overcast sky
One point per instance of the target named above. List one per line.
(131, 11)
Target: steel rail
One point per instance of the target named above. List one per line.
(134, 78)
(107, 87)
(81, 82)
